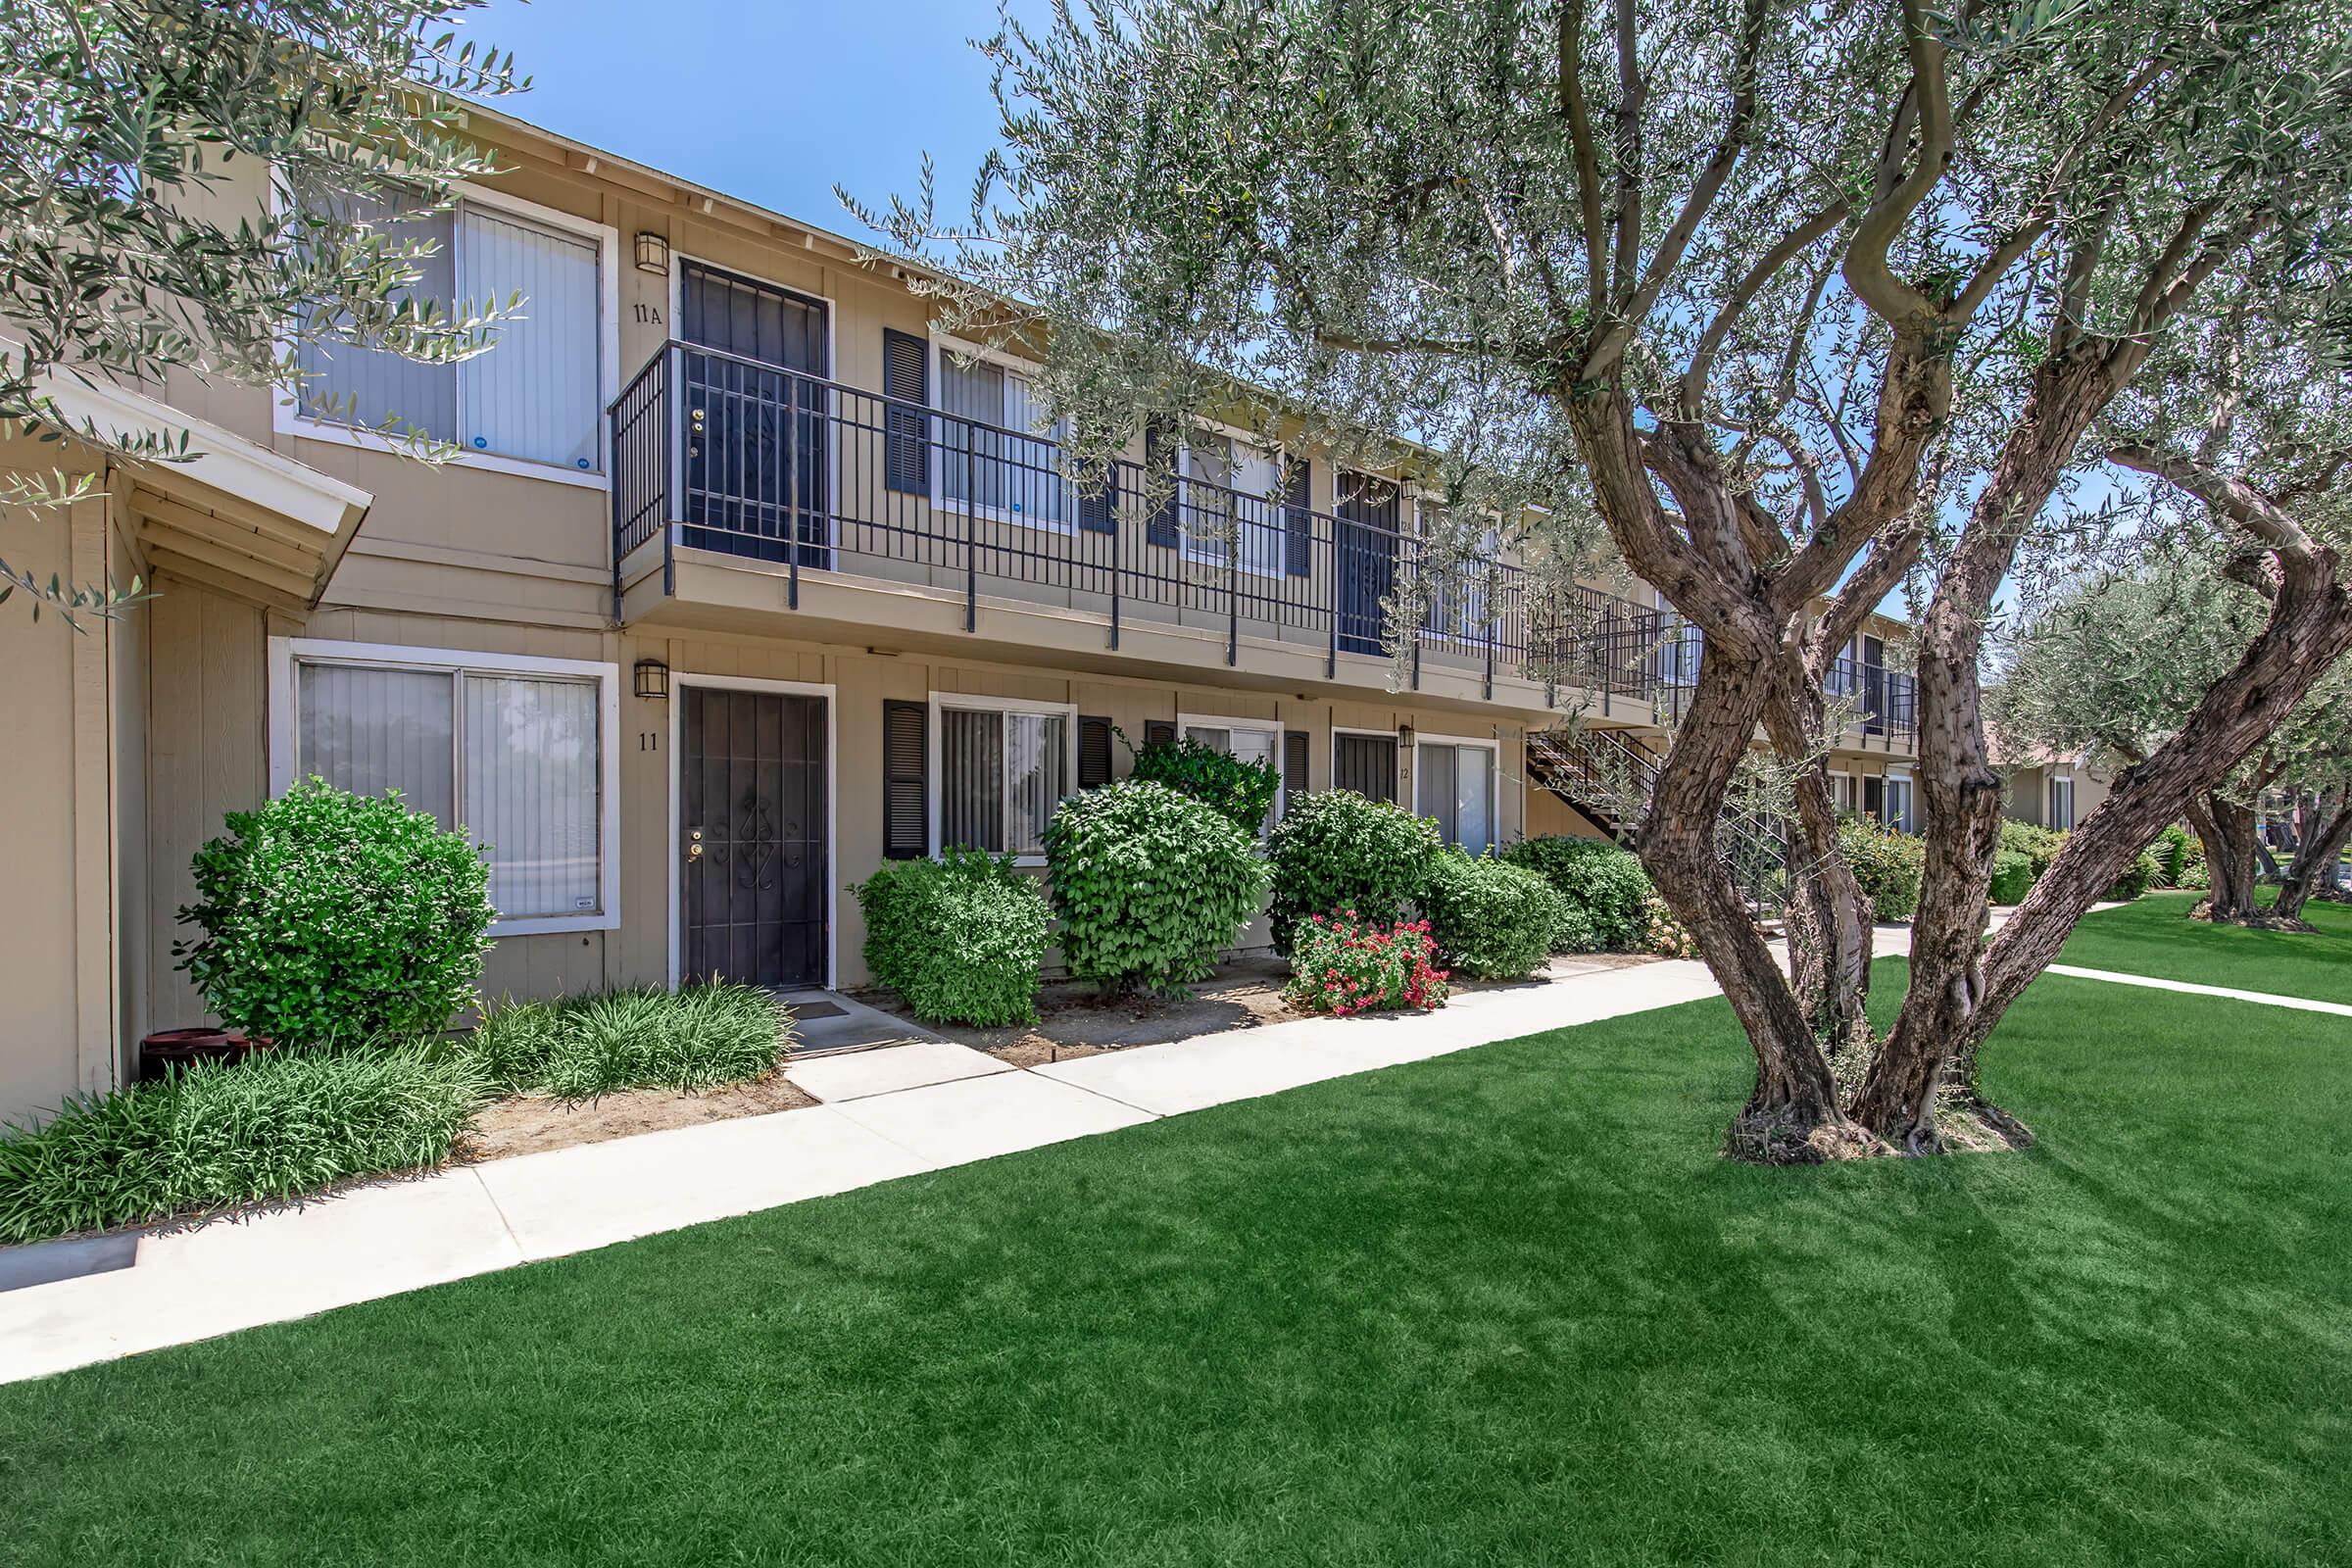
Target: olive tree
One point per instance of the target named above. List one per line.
(126, 121)
(1811, 301)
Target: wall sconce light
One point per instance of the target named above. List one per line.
(652, 679)
(653, 252)
(1404, 736)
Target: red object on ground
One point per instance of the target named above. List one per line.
(167, 1049)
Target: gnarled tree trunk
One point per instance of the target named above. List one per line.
(2327, 829)
(2226, 830)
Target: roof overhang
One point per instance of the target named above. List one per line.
(231, 513)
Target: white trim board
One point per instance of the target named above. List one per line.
(284, 651)
(678, 682)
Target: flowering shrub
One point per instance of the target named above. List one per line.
(1663, 934)
(1340, 964)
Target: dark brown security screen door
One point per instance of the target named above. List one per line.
(751, 829)
(755, 451)
(1367, 764)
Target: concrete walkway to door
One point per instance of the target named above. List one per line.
(884, 1113)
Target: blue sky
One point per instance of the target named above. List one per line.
(772, 103)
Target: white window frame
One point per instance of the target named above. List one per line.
(937, 772)
(1845, 792)
(285, 652)
(288, 418)
(1197, 554)
(942, 503)
(1493, 777)
(2050, 804)
(1263, 726)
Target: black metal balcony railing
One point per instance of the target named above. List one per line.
(712, 451)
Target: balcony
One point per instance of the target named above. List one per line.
(719, 458)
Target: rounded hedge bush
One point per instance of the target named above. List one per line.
(1492, 920)
(2040, 845)
(1888, 865)
(1337, 850)
(963, 938)
(2172, 850)
(1244, 791)
(2012, 876)
(330, 917)
(1604, 886)
(1151, 885)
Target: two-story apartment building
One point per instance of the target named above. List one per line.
(745, 578)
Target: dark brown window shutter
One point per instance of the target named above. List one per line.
(906, 792)
(1157, 730)
(1098, 502)
(1293, 763)
(905, 383)
(1094, 752)
(1160, 470)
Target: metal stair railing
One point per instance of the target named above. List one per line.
(1613, 780)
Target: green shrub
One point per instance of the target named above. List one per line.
(2135, 880)
(1242, 792)
(963, 938)
(1603, 885)
(1337, 849)
(276, 1125)
(330, 917)
(1888, 865)
(2173, 848)
(2012, 876)
(577, 1047)
(1151, 885)
(1492, 921)
(2039, 845)
(1342, 966)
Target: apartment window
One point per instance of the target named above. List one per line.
(534, 395)
(1843, 784)
(1902, 803)
(1235, 501)
(1458, 598)
(1003, 769)
(1248, 741)
(2062, 803)
(1454, 783)
(989, 458)
(513, 751)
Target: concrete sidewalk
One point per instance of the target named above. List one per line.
(886, 1113)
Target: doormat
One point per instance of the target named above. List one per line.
(806, 1010)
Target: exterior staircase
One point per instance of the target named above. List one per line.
(1611, 779)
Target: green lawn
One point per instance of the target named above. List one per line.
(2155, 936)
(1504, 1308)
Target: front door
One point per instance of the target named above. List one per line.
(1365, 543)
(752, 822)
(749, 487)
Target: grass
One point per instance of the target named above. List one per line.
(2154, 936)
(299, 1121)
(577, 1047)
(1502, 1307)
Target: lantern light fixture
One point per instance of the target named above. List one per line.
(653, 252)
(652, 679)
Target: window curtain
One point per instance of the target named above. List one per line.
(369, 388)
(971, 784)
(372, 730)
(972, 457)
(535, 393)
(1474, 798)
(1037, 776)
(531, 791)
(1033, 478)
